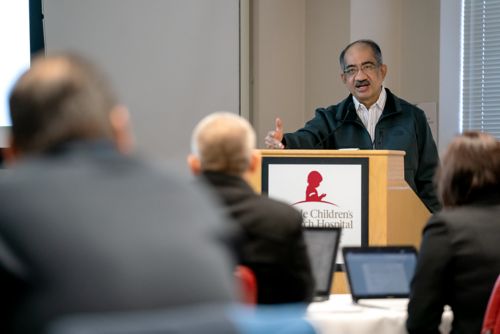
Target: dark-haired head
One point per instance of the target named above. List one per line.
(377, 53)
(469, 169)
(61, 98)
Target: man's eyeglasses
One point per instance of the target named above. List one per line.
(368, 68)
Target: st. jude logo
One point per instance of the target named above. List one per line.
(317, 207)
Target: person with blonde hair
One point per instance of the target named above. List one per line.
(272, 243)
(459, 258)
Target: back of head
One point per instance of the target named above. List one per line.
(469, 168)
(60, 98)
(223, 142)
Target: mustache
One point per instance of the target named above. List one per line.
(362, 83)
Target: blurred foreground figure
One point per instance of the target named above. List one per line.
(223, 152)
(459, 258)
(85, 228)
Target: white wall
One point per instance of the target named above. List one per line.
(278, 73)
(172, 62)
(326, 35)
(420, 48)
(293, 57)
(449, 68)
(381, 21)
(15, 41)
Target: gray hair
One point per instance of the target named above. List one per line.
(224, 142)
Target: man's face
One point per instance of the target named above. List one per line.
(362, 75)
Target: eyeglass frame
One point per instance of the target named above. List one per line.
(366, 68)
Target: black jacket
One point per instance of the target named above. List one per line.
(458, 264)
(272, 245)
(402, 126)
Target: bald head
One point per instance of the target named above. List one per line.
(224, 142)
(59, 99)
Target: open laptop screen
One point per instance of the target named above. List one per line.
(380, 272)
(322, 246)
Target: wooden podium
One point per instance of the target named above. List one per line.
(396, 215)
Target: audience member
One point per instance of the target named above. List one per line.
(86, 228)
(459, 258)
(223, 151)
(370, 118)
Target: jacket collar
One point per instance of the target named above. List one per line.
(392, 106)
(223, 179)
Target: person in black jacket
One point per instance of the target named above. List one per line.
(223, 152)
(371, 117)
(459, 258)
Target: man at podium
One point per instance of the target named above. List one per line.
(371, 117)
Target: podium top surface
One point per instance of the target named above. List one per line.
(330, 153)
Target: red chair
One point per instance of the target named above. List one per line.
(247, 284)
(491, 322)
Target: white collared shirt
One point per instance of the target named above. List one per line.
(370, 117)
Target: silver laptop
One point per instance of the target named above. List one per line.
(322, 246)
(380, 276)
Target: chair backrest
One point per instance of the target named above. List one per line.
(246, 283)
(202, 318)
(274, 318)
(491, 322)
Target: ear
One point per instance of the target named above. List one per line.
(119, 119)
(194, 164)
(10, 153)
(383, 70)
(251, 176)
(255, 160)
(343, 77)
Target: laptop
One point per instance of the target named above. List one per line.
(322, 246)
(380, 276)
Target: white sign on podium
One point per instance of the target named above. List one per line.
(329, 192)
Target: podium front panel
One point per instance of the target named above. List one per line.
(328, 191)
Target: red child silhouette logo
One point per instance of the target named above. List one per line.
(313, 181)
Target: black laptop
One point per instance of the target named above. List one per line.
(322, 246)
(381, 275)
